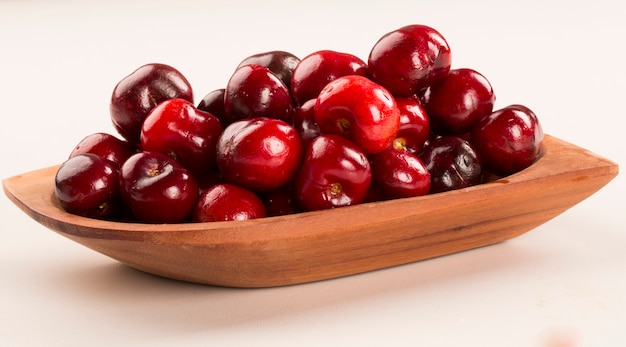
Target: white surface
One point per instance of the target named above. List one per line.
(566, 280)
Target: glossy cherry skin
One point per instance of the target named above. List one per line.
(335, 173)
(508, 140)
(255, 91)
(87, 185)
(319, 68)
(458, 101)
(399, 174)
(414, 128)
(304, 122)
(359, 110)
(227, 202)
(138, 93)
(452, 162)
(281, 63)
(106, 146)
(213, 103)
(409, 59)
(176, 128)
(157, 188)
(259, 154)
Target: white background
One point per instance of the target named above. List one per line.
(566, 280)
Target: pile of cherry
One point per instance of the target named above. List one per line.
(288, 135)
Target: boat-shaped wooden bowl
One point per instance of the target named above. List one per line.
(327, 244)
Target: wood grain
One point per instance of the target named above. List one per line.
(321, 245)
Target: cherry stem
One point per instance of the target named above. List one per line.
(335, 189)
(344, 125)
(153, 172)
(399, 143)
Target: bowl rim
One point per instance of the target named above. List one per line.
(48, 210)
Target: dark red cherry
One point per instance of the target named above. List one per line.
(508, 140)
(280, 201)
(409, 59)
(157, 188)
(452, 163)
(455, 103)
(87, 185)
(281, 63)
(319, 68)
(304, 122)
(106, 146)
(138, 93)
(255, 91)
(213, 103)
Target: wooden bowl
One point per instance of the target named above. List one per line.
(327, 244)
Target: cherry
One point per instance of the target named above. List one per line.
(227, 202)
(157, 188)
(360, 110)
(287, 135)
(399, 174)
(455, 103)
(319, 68)
(255, 91)
(409, 59)
(335, 173)
(414, 126)
(138, 93)
(508, 140)
(452, 163)
(280, 201)
(213, 103)
(176, 128)
(281, 63)
(259, 154)
(106, 146)
(375, 193)
(87, 185)
(304, 122)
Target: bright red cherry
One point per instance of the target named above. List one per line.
(176, 128)
(319, 68)
(508, 140)
(157, 188)
(455, 103)
(227, 202)
(409, 59)
(259, 154)
(138, 93)
(335, 173)
(359, 110)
